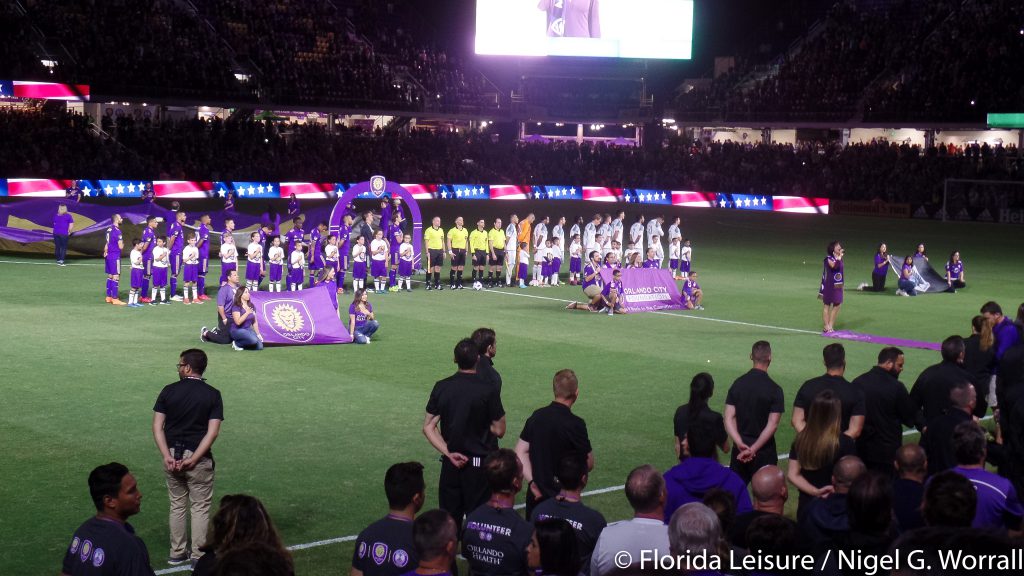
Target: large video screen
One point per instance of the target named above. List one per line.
(649, 29)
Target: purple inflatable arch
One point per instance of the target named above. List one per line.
(378, 187)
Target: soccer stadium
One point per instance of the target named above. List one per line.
(509, 287)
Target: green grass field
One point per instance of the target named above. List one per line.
(311, 430)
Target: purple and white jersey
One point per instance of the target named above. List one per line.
(396, 237)
(587, 271)
(175, 240)
(833, 273)
(361, 317)
(113, 239)
(149, 240)
(613, 285)
(652, 263)
(203, 241)
(690, 286)
(954, 270)
(294, 235)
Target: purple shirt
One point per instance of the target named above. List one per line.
(396, 235)
(274, 223)
(294, 235)
(690, 286)
(246, 323)
(998, 506)
(1006, 336)
(361, 318)
(113, 237)
(343, 235)
(907, 272)
(954, 271)
(149, 239)
(174, 237)
(881, 265)
(833, 276)
(587, 271)
(225, 296)
(613, 285)
(650, 264)
(693, 477)
(203, 242)
(293, 207)
(62, 223)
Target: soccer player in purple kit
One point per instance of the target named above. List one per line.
(176, 243)
(112, 259)
(294, 235)
(832, 292)
(316, 250)
(148, 243)
(63, 225)
(693, 296)
(203, 244)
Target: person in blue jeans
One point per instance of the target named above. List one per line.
(245, 331)
(361, 322)
(906, 282)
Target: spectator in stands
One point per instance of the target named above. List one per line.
(586, 522)
(693, 530)
(931, 390)
(826, 520)
(816, 450)
(702, 387)
(553, 549)
(698, 472)
(406, 492)
(937, 438)
(908, 488)
(107, 537)
(550, 434)
(645, 490)
(435, 542)
(870, 527)
(998, 504)
(851, 397)
(753, 410)
(770, 493)
(949, 500)
(241, 521)
(495, 537)
(887, 409)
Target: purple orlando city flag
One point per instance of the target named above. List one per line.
(298, 318)
(647, 289)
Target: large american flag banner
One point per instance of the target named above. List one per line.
(44, 90)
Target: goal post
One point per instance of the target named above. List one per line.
(965, 199)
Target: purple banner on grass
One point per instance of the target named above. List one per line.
(885, 340)
(647, 289)
(299, 318)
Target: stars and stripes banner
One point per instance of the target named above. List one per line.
(3, 187)
(38, 187)
(250, 190)
(642, 196)
(800, 204)
(745, 202)
(311, 190)
(601, 194)
(44, 90)
(183, 189)
(114, 188)
(694, 199)
(509, 192)
(557, 193)
(463, 192)
(421, 191)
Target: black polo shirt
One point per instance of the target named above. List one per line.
(494, 541)
(755, 396)
(486, 372)
(681, 422)
(467, 407)
(586, 522)
(101, 547)
(937, 440)
(931, 390)
(887, 409)
(851, 397)
(553, 432)
(189, 404)
(385, 548)
(1011, 375)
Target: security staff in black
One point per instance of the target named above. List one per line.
(386, 547)
(495, 538)
(461, 413)
(486, 344)
(887, 409)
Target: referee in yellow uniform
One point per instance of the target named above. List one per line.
(478, 245)
(434, 237)
(458, 242)
(496, 252)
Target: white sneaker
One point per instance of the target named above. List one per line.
(236, 347)
(202, 334)
(862, 286)
(176, 298)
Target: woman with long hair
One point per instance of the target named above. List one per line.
(553, 550)
(879, 272)
(817, 448)
(241, 521)
(980, 362)
(361, 321)
(702, 387)
(906, 282)
(832, 285)
(244, 330)
(955, 272)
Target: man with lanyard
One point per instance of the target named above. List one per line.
(511, 249)
(461, 412)
(434, 238)
(176, 243)
(496, 537)
(496, 253)
(593, 285)
(148, 243)
(458, 242)
(385, 548)
(203, 244)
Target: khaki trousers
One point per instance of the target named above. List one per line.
(191, 490)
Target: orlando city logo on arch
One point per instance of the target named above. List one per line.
(378, 185)
(290, 319)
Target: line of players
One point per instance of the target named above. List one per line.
(157, 262)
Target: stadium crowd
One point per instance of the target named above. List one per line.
(34, 144)
(860, 487)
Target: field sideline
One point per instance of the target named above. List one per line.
(310, 430)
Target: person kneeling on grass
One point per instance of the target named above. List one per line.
(908, 287)
(361, 322)
(612, 294)
(693, 296)
(954, 272)
(245, 331)
(592, 285)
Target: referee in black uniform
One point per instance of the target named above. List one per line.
(463, 411)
